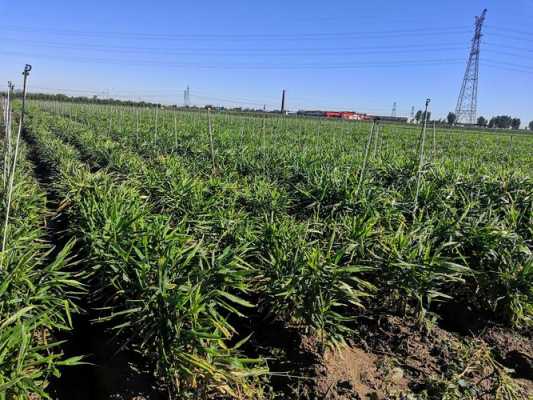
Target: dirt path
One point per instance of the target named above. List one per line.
(107, 374)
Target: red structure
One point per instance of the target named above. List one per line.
(346, 115)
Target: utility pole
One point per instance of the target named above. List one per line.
(283, 102)
(466, 109)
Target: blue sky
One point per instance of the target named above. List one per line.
(345, 54)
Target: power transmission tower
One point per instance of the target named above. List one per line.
(187, 97)
(466, 110)
(393, 114)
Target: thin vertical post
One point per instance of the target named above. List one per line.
(211, 144)
(176, 129)
(434, 140)
(26, 73)
(422, 143)
(365, 157)
(156, 123)
(137, 125)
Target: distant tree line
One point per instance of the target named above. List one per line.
(83, 99)
(499, 121)
(420, 116)
(110, 101)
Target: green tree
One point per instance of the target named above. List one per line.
(481, 121)
(418, 116)
(531, 126)
(452, 118)
(515, 123)
(501, 121)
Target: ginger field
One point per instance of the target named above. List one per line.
(235, 256)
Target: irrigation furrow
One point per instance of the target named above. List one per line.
(107, 370)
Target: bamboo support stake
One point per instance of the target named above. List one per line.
(156, 123)
(365, 157)
(176, 129)
(422, 143)
(434, 141)
(211, 144)
(137, 125)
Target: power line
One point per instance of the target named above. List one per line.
(205, 98)
(246, 51)
(506, 46)
(234, 101)
(504, 68)
(152, 94)
(512, 30)
(233, 66)
(510, 37)
(261, 51)
(507, 64)
(240, 36)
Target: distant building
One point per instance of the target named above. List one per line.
(388, 118)
(347, 115)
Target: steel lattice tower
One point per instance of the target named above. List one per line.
(187, 97)
(466, 110)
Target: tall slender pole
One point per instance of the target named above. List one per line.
(176, 129)
(434, 140)
(7, 150)
(211, 144)
(365, 157)
(156, 122)
(26, 72)
(137, 125)
(422, 143)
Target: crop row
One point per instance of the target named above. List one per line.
(182, 250)
(470, 240)
(167, 295)
(37, 289)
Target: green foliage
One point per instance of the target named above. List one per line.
(307, 284)
(504, 122)
(304, 221)
(481, 121)
(171, 296)
(37, 294)
(452, 118)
